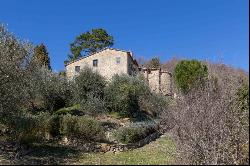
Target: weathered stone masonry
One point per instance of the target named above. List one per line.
(159, 80)
(109, 62)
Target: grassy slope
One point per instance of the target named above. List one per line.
(159, 152)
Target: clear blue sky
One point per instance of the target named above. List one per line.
(201, 29)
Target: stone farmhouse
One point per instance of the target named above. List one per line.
(110, 61)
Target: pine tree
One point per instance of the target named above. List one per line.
(41, 56)
(90, 42)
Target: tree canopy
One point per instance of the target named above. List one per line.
(188, 72)
(89, 42)
(41, 55)
(154, 63)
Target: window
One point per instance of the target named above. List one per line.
(77, 69)
(95, 62)
(118, 60)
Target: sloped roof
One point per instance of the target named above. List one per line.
(129, 52)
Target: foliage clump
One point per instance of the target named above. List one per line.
(135, 132)
(33, 128)
(88, 89)
(127, 96)
(46, 91)
(212, 119)
(41, 56)
(81, 128)
(36, 102)
(88, 82)
(187, 73)
(89, 42)
(154, 63)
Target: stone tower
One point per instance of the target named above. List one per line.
(159, 80)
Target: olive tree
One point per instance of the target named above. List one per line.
(15, 55)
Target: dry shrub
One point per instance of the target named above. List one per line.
(170, 65)
(209, 127)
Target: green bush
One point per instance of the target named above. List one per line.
(187, 73)
(54, 123)
(57, 93)
(243, 98)
(88, 82)
(122, 94)
(81, 128)
(240, 106)
(153, 104)
(32, 128)
(132, 97)
(134, 133)
(73, 110)
(93, 105)
(47, 91)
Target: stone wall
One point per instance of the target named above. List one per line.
(107, 63)
(123, 147)
(106, 147)
(153, 80)
(159, 81)
(132, 66)
(166, 83)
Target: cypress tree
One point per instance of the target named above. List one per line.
(41, 55)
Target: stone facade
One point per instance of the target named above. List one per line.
(109, 62)
(159, 81)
